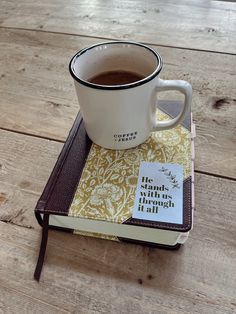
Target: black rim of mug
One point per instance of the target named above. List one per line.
(112, 87)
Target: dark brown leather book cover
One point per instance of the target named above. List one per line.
(63, 181)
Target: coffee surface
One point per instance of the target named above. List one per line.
(115, 78)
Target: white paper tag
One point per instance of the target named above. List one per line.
(159, 193)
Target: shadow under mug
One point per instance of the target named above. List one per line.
(123, 116)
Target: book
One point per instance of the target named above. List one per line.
(93, 191)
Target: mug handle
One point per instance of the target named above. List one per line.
(181, 86)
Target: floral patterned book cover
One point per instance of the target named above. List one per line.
(106, 190)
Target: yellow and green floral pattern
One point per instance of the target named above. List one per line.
(107, 186)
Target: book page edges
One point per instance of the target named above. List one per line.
(152, 235)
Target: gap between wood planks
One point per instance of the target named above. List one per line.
(112, 38)
(33, 135)
(61, 141)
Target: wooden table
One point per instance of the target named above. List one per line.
(197, 40)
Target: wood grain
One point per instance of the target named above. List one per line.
(15, 301)
(38, 97)
(195, 24)
(25, 165)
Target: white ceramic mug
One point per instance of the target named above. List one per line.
(122, 116)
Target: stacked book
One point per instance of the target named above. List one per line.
(143, 195)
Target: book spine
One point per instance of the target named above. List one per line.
(40, 206)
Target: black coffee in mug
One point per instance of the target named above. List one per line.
(118, 77)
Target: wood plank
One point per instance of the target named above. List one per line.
(208, 25)
(38, 97)
(86, 275)
(14, 301)
(25, 165)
